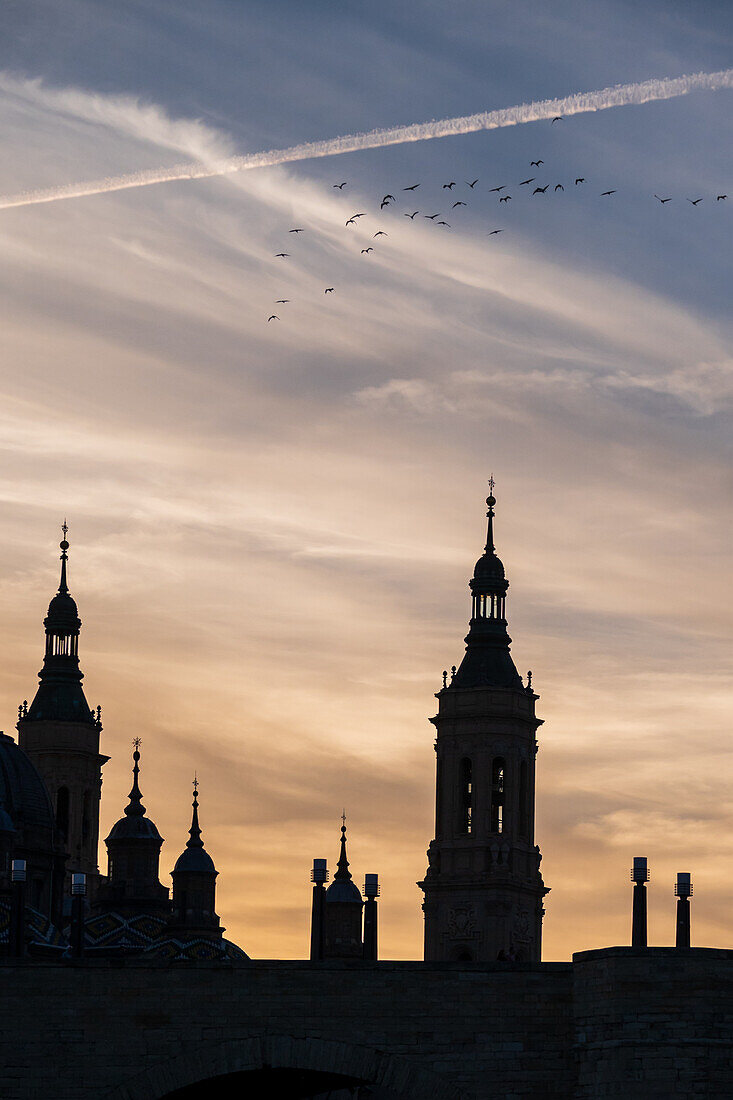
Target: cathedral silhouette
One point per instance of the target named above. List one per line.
(116, 986)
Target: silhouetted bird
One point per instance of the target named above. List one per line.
(340, 185)
(535, 163)
(383, 203)
(694, 201)
(443, 223)
(580, 179)
(557, 118)
(328, 290)
(381, 233)
(502, 188)
(386, 197)
(525, 182)
(281, 302)
(411, 216)
(281, 255)
(663, 200)
(365, 250)
(613, 192)
(506, 198)
(495, 231)
(455, 204)
(540, 190)
(721, 197)
(471, 185)
(414, 186)
(450, 185)
(431, 217)
(295, 230)
(273, 317)
(559, 187)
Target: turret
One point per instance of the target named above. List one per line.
(342, 911)
(194, 887)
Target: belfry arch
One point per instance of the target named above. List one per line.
(295, 1066)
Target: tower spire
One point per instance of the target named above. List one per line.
(343, 873)
(490, 501)
(64, 546)
(194, 837)
(135, 806)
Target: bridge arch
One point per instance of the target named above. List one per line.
(204, 1061)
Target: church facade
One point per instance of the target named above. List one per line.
(113, 985)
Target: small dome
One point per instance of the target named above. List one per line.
(344, 890)
(134, 828)
(195, 859)
(63, 609)
(22, 791)
(489, 568)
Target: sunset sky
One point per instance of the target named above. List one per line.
(272, 525)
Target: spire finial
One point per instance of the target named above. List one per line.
(135, 806)
(64, 546)
(194, 838)
(490, 501)
(343, 871)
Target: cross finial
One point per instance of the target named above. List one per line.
(65, 527)
(195, 785)
(492, 483)
(343, 817)
(137, 742)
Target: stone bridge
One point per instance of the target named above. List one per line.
(618, 1022)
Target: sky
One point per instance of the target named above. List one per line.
(272, 524)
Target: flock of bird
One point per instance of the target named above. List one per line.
(503, 194)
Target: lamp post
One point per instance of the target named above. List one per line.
(371, 893)
(17, 908)
(683, 892)
(319, 876)
(639, 877)
(78, 895)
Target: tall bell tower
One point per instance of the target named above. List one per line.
(483, 888)
(60, 733)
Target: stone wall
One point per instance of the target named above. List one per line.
(614, 1023)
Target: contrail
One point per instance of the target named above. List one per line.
(620, 95)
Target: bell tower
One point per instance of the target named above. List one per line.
(60, 733)
(483, 888)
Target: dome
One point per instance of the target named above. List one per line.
(195, 859)
(489, 568)
(22, 791)
(134, 828)
(63, 610)
(344, 890)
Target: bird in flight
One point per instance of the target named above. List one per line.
(540, 190)
(535, 163)
(613, 192)
(413, 188)
(365, 250)
(472, 185)
(450, 185)
(694, 201)
(273, 317)
(721, 197)
(459, 203)
(295, 230)
(381, 233)
(443, 223)
(339, 186)
(557, 118)
(328, 290)
(505, 198)
(431, 217)
(495, 231)
(497, 188)
(383, 203)
(387, 197)
(352, 219)
(281, 255)
(525, 182)
(580, 179)
(281, 302)
(559, 187)
(663, 200)
(411, 216)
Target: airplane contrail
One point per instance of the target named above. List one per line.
(620, 95)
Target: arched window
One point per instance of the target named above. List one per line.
(62, 811)
(523, 800)
(497, 795)
(465, 796)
